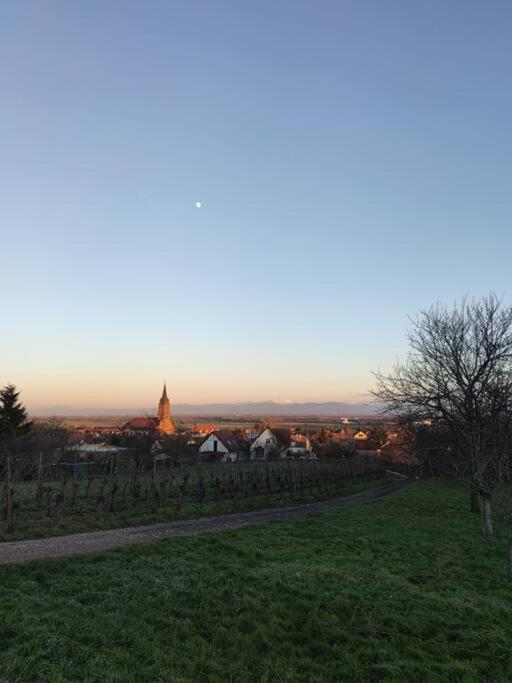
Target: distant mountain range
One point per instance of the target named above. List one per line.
(218, 409)
(277, 408)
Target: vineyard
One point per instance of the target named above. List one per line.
(40, 499)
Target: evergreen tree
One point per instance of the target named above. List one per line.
(13, 415)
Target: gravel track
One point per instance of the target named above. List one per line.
(16, 552)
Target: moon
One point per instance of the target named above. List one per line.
(199, 205)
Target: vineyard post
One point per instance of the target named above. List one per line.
(113, 484)
(350, 469)
(39, 494)
(198, 471)
(10, 518)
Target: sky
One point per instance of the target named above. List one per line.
(352, 158)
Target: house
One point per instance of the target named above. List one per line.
(229, 445)
(300, 447)
(360, 436)
(92, 451)
(269, 440)
(282, 440)
(202, 429)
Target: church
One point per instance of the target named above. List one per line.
(162, 423)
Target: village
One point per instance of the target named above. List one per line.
(258, 440)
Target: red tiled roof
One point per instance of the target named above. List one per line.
(142, 423)
(204, 428)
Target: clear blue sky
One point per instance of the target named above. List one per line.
(353, 159)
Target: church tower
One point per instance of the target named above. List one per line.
(165, 424)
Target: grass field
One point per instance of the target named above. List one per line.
(401, 590)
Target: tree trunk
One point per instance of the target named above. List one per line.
(476, 503)
(486, 516)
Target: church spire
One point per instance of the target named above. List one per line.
(165, 424)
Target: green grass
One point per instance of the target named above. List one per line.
(400, 590)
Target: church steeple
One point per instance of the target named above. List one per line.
(165, 423)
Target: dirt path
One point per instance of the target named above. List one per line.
(15, 552)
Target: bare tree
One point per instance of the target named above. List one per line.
(459, 372)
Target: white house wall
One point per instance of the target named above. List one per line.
(261, 440)
(208, 447)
